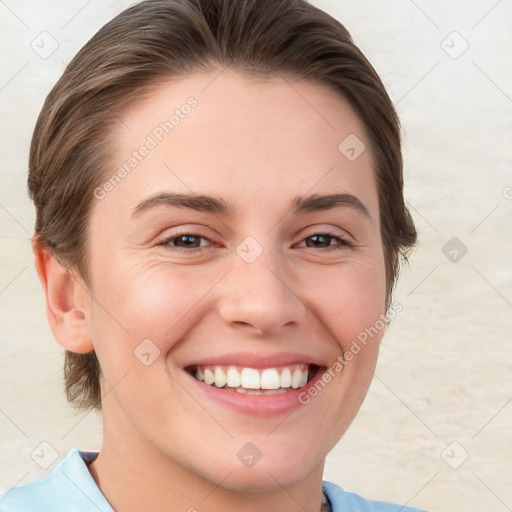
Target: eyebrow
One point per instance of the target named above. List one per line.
(317, 202)
(201, 203)
(210, 204)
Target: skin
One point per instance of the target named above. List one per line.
(257, 144)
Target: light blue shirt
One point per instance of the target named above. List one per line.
(71, 488)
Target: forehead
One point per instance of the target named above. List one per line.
(245, 136)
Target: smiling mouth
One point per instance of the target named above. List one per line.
(253, 381)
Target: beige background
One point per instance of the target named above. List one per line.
(443, 385)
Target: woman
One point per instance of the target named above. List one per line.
(220, 222)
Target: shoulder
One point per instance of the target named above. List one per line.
(342, 500)
(69, 486)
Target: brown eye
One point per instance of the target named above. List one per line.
(184, 241)
(319, 241)
(325, 241)
(192, 241)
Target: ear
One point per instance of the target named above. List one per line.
(65, 301)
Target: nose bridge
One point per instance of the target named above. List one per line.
(259, 291)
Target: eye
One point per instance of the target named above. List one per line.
(184, 241)
(191, 242)
(324, 241)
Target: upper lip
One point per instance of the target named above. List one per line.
(255, 360)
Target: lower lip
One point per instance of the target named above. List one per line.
(261, 405)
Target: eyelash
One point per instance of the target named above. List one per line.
(343, 242)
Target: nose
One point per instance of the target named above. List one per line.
(260, 296)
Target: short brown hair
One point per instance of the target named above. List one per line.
(159, 39)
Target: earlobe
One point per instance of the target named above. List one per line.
(68, 320)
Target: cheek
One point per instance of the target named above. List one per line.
(140, 314)
(350, 300)
(161, 301)
(155, 301)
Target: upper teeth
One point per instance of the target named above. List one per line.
(295, 376)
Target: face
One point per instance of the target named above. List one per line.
(225, 284)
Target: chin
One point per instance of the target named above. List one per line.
(278, 465)
(264, 478)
